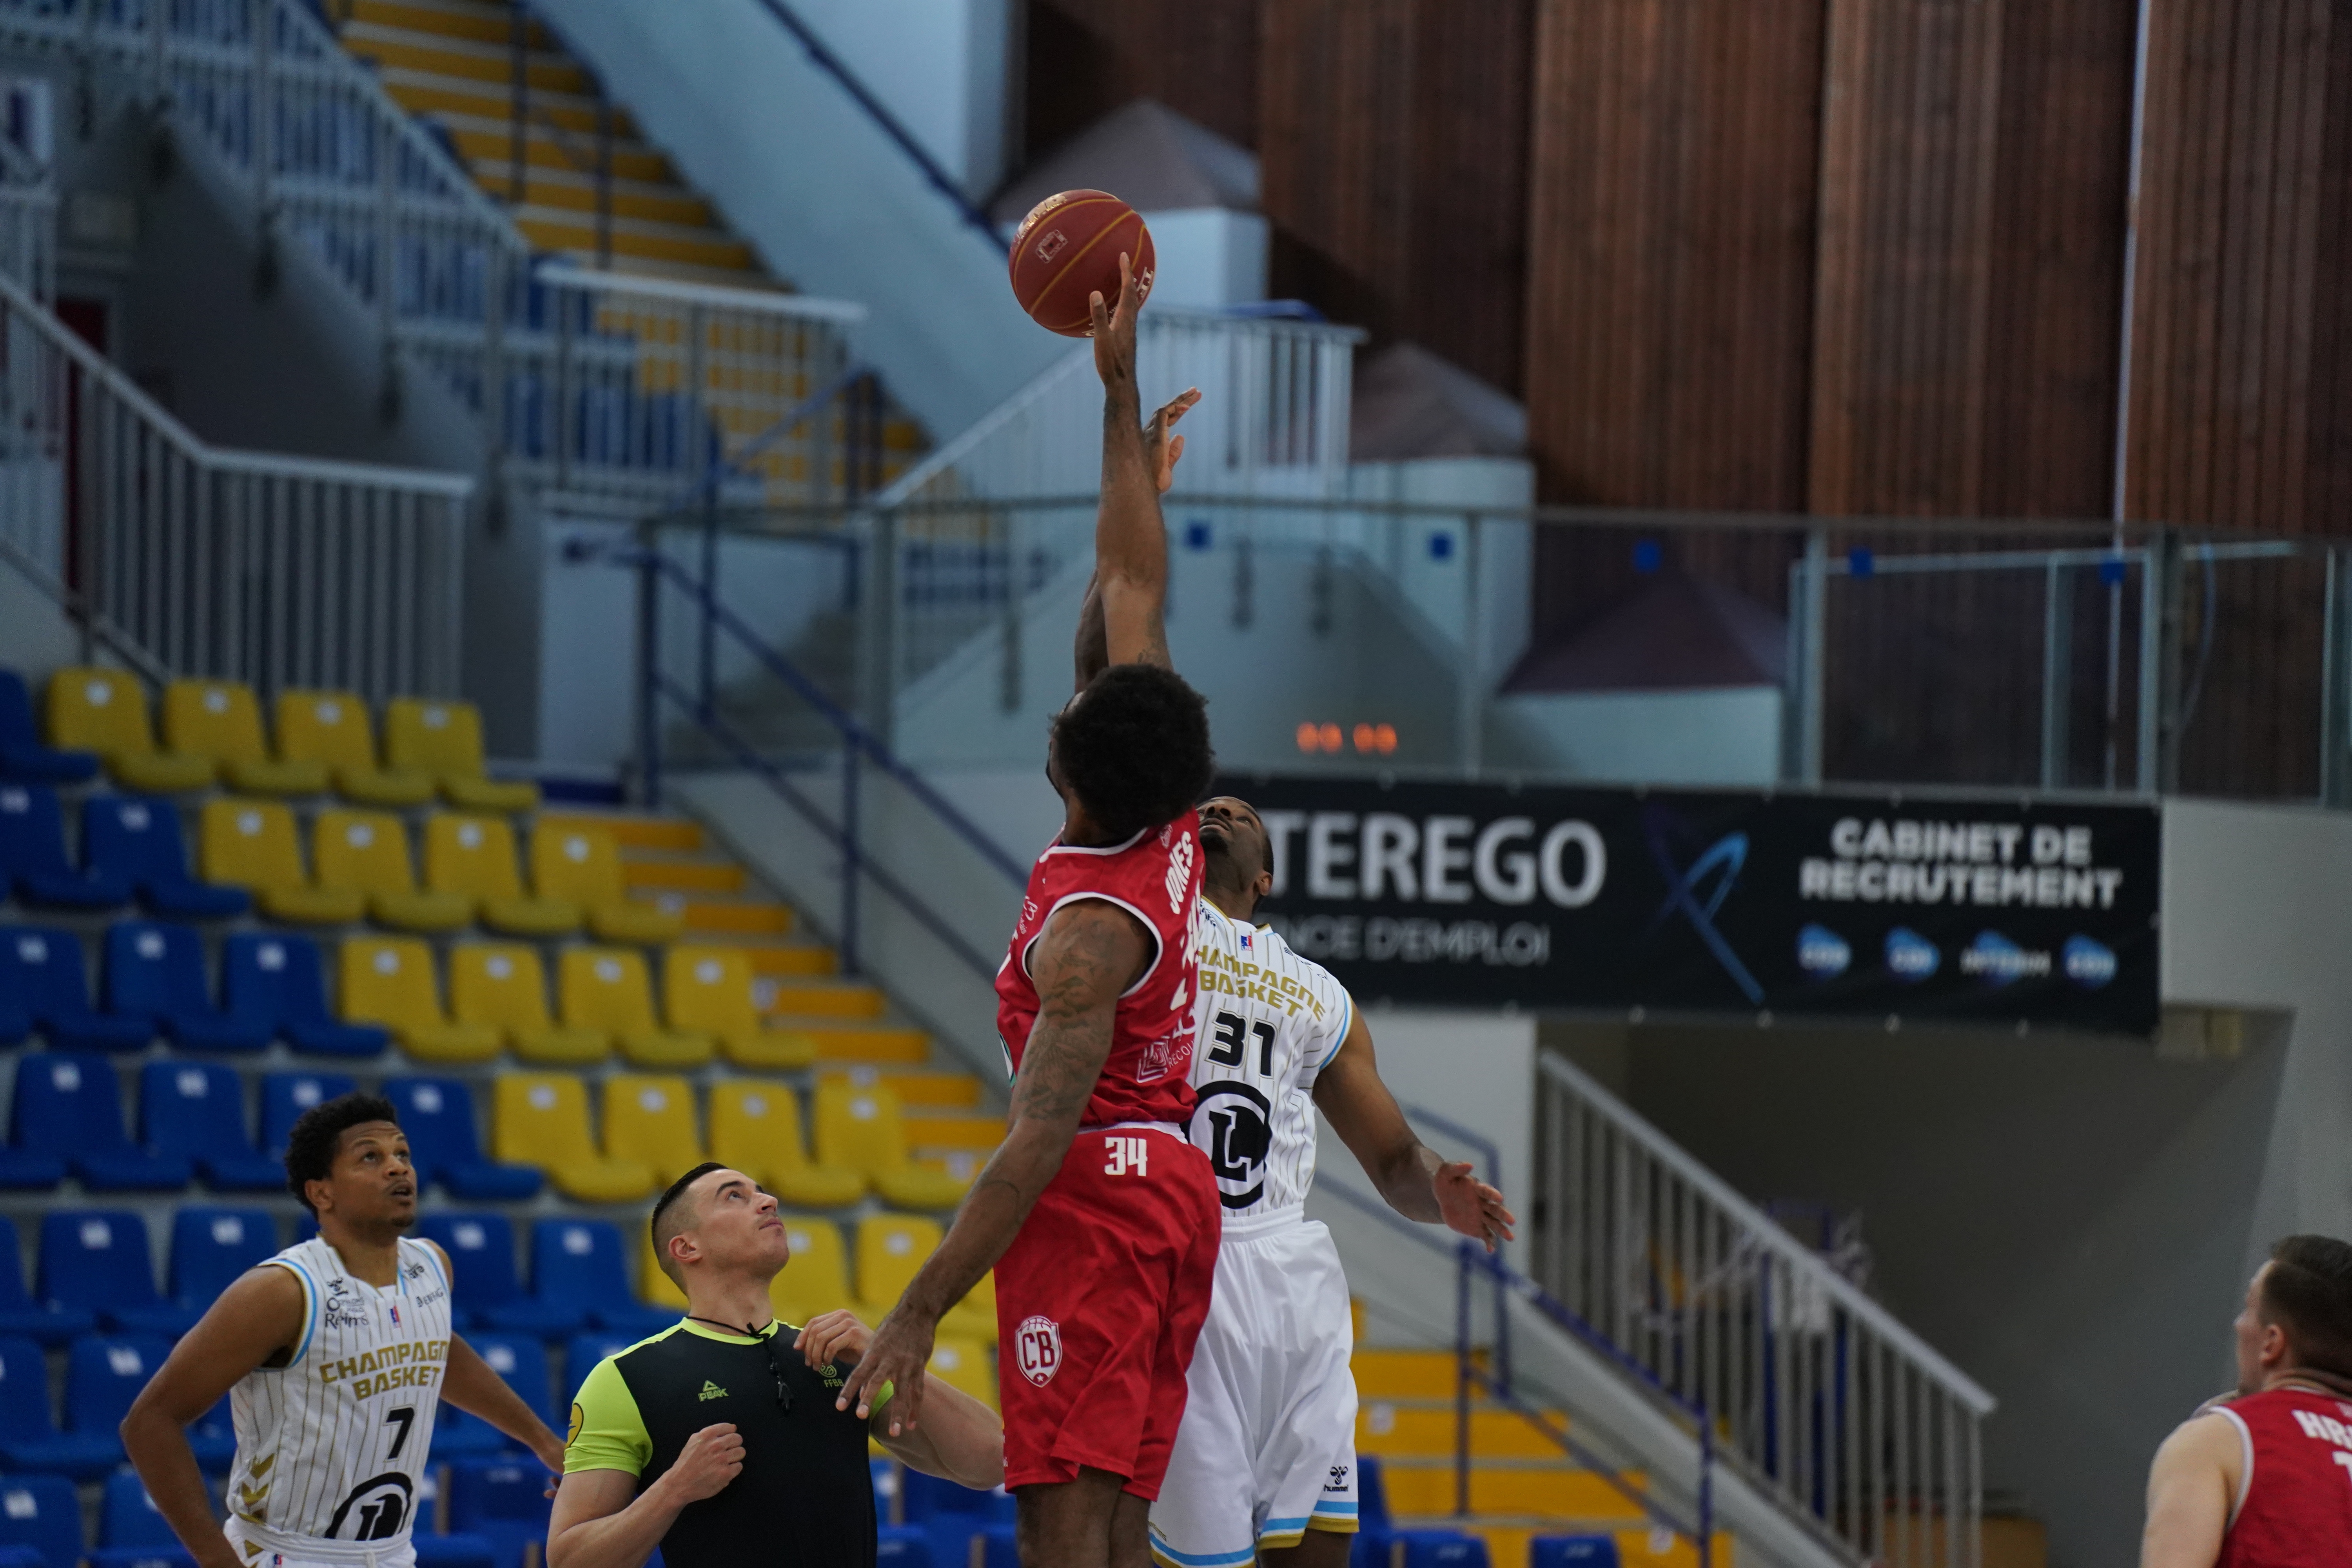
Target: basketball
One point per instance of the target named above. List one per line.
(1068, 248)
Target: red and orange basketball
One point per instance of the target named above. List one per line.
(1068, 248)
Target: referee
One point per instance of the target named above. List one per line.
(717, 1440)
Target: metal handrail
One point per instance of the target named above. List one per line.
(681, 291)
(1470, 1261)
(863, 95)
(1801, 1260)
(855, 734)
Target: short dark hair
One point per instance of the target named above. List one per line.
(318, 1136)
(663, 1205)
(2307, 1291)
(1134, 748)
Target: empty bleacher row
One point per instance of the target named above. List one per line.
(67, 1119)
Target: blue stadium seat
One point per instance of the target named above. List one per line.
(42, 1513)
(882, 1473)
(999, 1547)
(522, 1362)
(104, 1372)
(22, 755)
(481, 1250)
(1374, 1547)
(1442, 1549)
(1372, 1493)
(45, 1324)
(437, 1114)
(923, 1497)
(25, 1170)
(211, 1247)
(582, 1260)
(70, 1107)
(905, 1546)
(500, 1498)
(213, 1439)
(285, 1096)
(580, 1354)
(137, 839)
(33, 855)
(156, 972)
(1572, 1552)
(277, 982)
(29, 1438)
(42, 969)
(132, 1533)
(98, 1259)
(195, 1111)
(455, 1549)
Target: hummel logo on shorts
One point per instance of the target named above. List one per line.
(712, 1391)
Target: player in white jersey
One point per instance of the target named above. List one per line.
(336, 1356)
(1265, 1463)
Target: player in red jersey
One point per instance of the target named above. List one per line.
(1101, 1216)
(2263, 1479)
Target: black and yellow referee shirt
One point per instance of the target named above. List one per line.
(805, 1498)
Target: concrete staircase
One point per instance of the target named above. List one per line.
(1521, 1485)
(670, 861)
(452, 63)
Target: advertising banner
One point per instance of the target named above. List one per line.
(1991, 910)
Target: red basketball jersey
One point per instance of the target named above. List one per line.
(1155, 876)
(2295, 1507)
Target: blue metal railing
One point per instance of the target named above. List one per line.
(863, 95)
(1471, 1260)
(860, 749)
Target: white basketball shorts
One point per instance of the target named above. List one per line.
(1266, 1450)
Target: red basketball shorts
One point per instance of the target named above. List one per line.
(1099, 1301)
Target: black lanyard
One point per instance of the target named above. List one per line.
(767, 1344)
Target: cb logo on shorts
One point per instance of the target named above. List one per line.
(1037, 1346)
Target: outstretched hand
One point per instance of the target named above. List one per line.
(1471, 1207)
(1114, 327)
(899, 1351)
(1160, 449)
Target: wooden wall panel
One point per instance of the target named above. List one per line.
(1393, 140)
(1085, 58)
(1670, 250)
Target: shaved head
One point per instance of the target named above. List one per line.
(675, 1213)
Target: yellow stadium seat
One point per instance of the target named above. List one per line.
(861, 1128)
(502, 986)
(389, 981)
(444, 740)
(890, 1248)
(251, 844)
(474, 857)
(817, 1278)
(367, 851)
(654, 1287)
(649, 1117)
(605, 988)
(708, 990)
(756, 1128)
(104, 710)
(222, 720)
(579, 861)
(963, 1365)
(332, 729)
(541, 1119)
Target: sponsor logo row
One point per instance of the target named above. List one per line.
(1992, 958)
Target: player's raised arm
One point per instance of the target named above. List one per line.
(1090, 953)
(1417, 1182)
(1129, 591)
(255, 1323)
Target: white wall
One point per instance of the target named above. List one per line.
(1727, 737)
(942, 67)
(1208, 256)
(827, 199)
(1432, 575)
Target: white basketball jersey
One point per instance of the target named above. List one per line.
(329, 1446)
(1266, 1022)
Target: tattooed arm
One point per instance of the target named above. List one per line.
(1130, 537)
(1089, 952)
